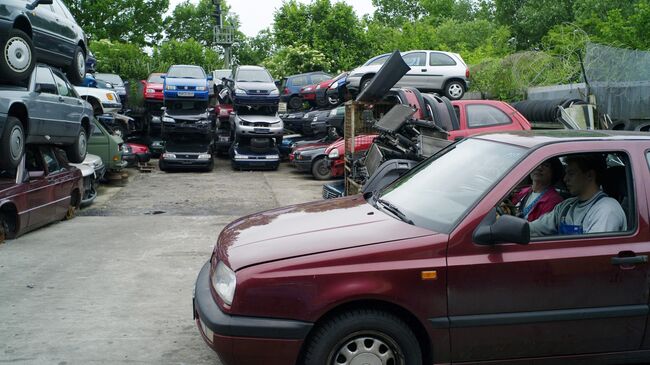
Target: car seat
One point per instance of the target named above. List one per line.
(616, 185)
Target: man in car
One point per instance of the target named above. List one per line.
(590, 210)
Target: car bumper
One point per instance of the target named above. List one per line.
(256, 100)
(337, 167)
(255, 162)
(153, 97)
(259, 131)
(110, 108)
(184, 164)
(308, 96)
(302, 165)
(334, 190)
(245, 340)
(186, 95)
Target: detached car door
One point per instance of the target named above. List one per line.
(560, 295)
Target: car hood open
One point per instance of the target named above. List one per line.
(308, 229)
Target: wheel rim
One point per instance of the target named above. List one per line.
(81, 64)
(367, 349)
(322, 169)
(333, 101)
(455, 90)
(82, 144)
(18, 55)
(16, 143)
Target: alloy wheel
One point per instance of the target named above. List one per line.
(17, 54)
(455, 90)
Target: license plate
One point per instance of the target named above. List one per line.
(185, 93)
(224, 139)
(282, 107)
(206, 331)
(262, 130)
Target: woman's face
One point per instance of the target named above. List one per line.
(543, 174)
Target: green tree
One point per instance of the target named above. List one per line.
(397, 12)
(134, 21)
(196, 21)
(296, 59)
(254, 50)
(189, 52)
(124, 59)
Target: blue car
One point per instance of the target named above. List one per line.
(254, 86)
(186, 82)
(292, 85)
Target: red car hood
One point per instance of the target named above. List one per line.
(362, 143)
(157, 87)
(309, 146)
(308, 229)
(138, 148)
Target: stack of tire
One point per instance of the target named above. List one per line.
(544, 111)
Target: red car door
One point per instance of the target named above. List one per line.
(555, 296)
(60, 179)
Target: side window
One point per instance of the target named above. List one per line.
(300, 81)
(481, 115)
(32, 161)
(415, 59)
(378, 61)
(440, 59)
(576, 195)
(457, 111)
(45, 80)
(50, 160)
(97, 131)
(59, 10)
(63, 87)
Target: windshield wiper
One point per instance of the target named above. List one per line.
(394, 210)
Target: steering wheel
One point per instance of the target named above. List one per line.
(506, 207)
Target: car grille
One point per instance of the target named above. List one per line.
(187, 156)
(329, 193)
(257, 92)
(263, 125)
(183, 88)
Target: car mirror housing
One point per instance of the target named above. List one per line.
(36, 3)
(504, 229)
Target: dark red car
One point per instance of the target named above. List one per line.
(44, 189)
(153, 91)
(423, 272)
(481, 116)
(335, 153)
(316, 95)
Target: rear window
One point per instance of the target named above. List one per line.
(155, 79)
(480, 115)
(440, 59)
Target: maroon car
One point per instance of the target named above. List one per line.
(427, 271)
(43, 189)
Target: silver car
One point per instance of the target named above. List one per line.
(257, 125)
(435, 71)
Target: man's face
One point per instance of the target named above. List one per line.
(576, 180)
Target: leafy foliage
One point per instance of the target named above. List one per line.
(296, 59)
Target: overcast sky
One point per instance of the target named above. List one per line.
(256, 15)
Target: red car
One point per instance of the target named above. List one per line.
(336, 154)
(423, 272)
(316, 95)
(480, 116)
(44, 189)
(136, 153)
(153, 91)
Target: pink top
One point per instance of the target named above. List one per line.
(545, 204)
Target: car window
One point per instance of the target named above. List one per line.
(440, 59)
(44, 77)
(415, 59)
(64, 88)
(481, 115)
(155, 79)
(50, 160)
(299, 81)
(97, 131)
(58, 9)
(112, 78)
(438, 192)
(32, 161)
(186, 71)
(457, 111)
(320, 78)
(378, 61)
(576, 195)
(253, 76)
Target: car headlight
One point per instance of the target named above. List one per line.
(318, 87)
(168, 119)
(333, 154)
(168, 156)
(204, 156)
(156, 144)
(151, 91)
(170, 87)
(201, 88)
(124, 148)
(240, 92)
(274, 93)
(308, 89)
(271, 157)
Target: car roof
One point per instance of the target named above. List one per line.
(538, 138)
(308, 73)
(250, 68)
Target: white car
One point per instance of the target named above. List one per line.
(103, 101)
(90, 169)
(435, 71)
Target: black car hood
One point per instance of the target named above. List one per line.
(389, 74)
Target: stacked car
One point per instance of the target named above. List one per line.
(256, 129)
(44, 124)
(187, 122)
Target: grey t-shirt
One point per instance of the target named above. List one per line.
(598, 214)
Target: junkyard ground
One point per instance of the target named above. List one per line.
(114, 285)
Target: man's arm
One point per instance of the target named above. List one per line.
(546, 225)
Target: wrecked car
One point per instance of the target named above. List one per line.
(187, 152)
(42, 189)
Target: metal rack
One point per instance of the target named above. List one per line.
(353, 127)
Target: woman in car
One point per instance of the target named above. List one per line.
(541, 197)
